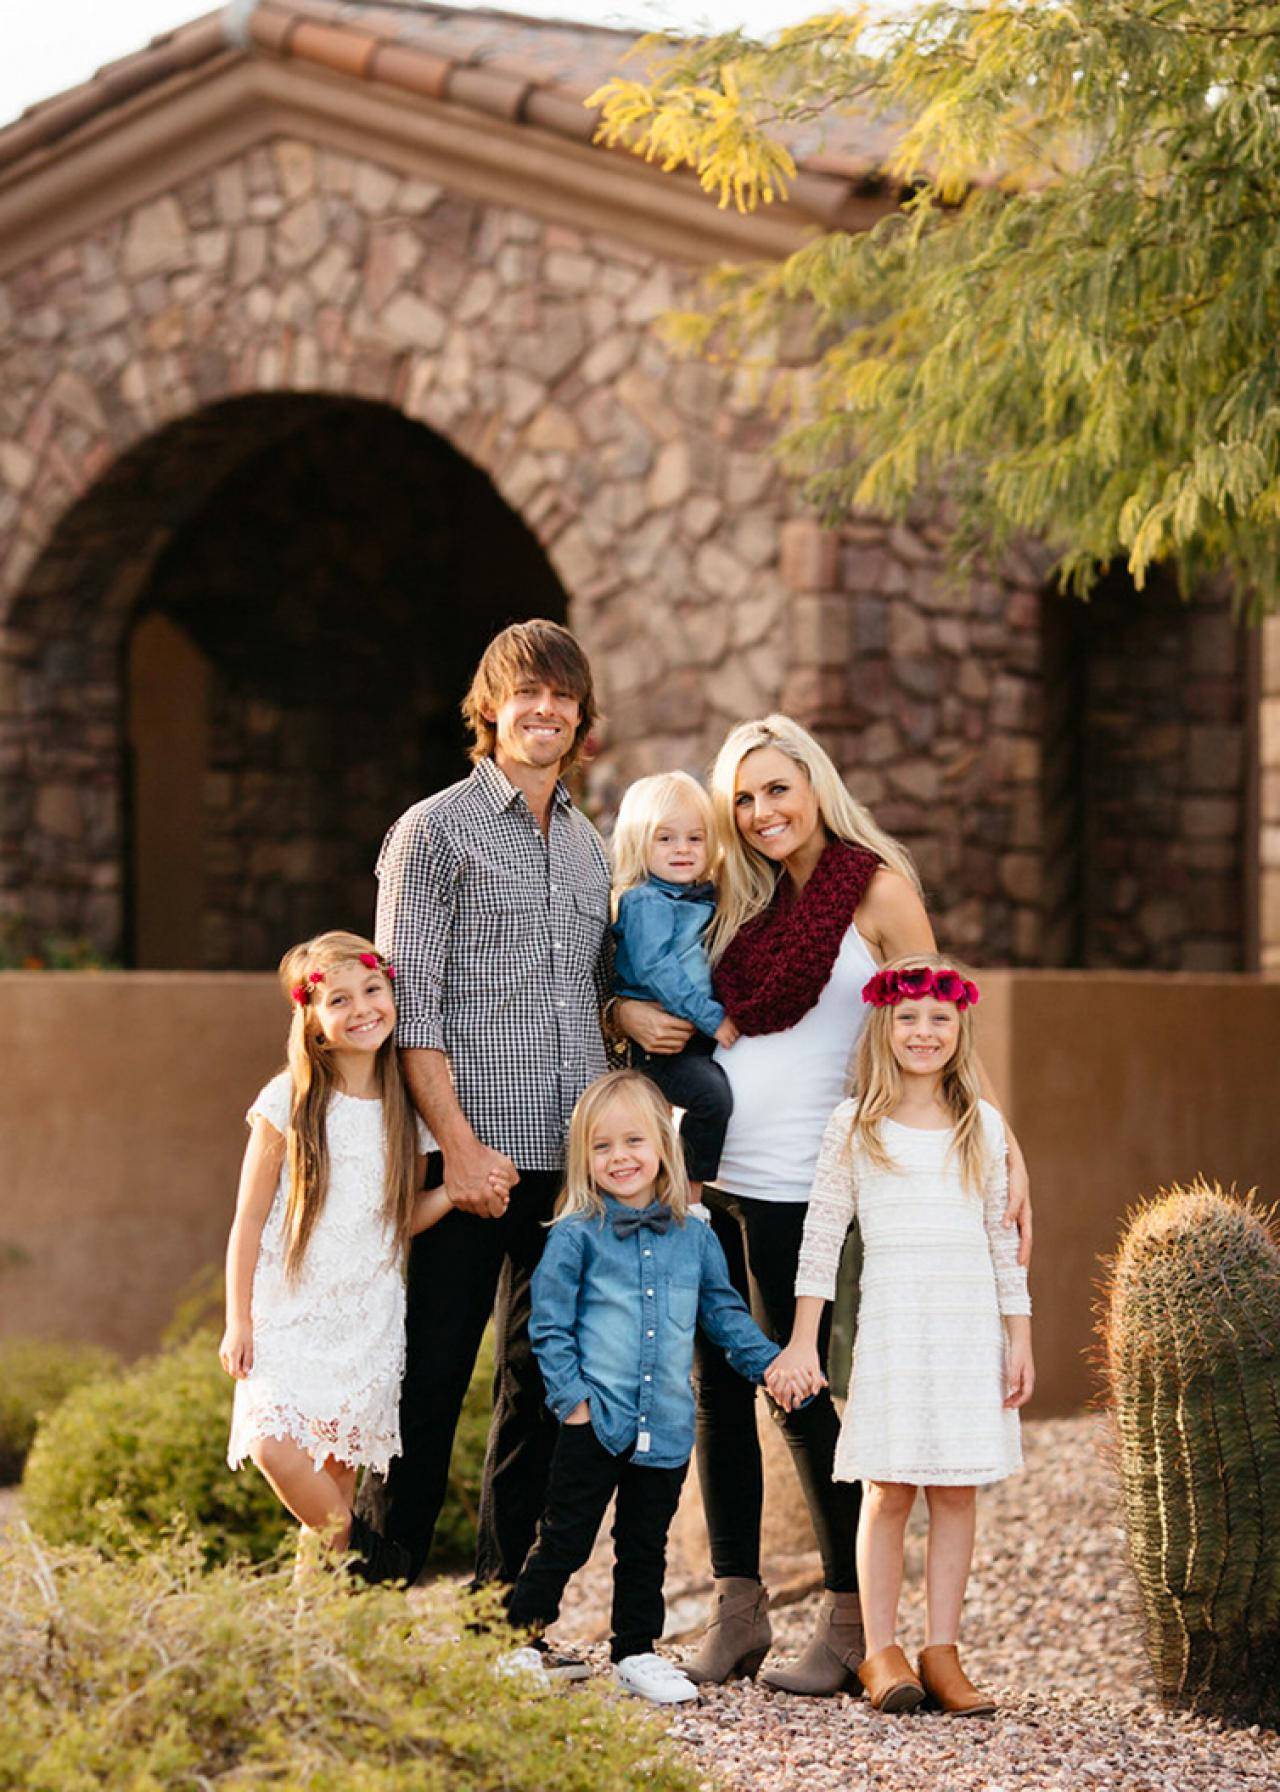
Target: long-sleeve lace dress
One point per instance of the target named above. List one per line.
(328, 1349)
(926, 1394)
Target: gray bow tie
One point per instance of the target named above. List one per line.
(634, 1219)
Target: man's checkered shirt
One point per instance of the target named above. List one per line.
(500, 940)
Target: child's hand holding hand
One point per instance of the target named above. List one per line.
(726, 1033)
(235, 1352)
(1020, 1369)
(581, 1414)
(793, 1375)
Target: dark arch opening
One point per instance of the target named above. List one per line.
(273, 608)
(339, 585)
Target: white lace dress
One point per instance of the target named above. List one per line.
(328, 1349)
(926, 1395)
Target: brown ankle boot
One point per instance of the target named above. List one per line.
(737, 1636)
(834, 1652)
(888, 1681)
(948, 1686)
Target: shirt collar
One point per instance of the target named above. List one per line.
(502, 793)
(700, 892)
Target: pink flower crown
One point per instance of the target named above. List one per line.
(888, 988)
(303, 992)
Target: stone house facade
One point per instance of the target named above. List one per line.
(327, 347)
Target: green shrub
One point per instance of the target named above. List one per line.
(147, 1449)
(36, 1375)
(135, 1675)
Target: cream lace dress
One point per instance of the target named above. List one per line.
(926, 1395)
(328, 1349)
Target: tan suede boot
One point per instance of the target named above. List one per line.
(835, 1649)
(737, 1636)
(888, 1681)
(948, 1686)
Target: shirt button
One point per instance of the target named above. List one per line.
(649, 1333)
(559, 1004)
(649, 1292)
(648, 1378)
(555, 945)
(648, 1253)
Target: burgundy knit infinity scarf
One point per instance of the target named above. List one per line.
(775, 968)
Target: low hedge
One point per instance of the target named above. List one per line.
(36, 1375)
(145, 1451)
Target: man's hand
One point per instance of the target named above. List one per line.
(479, 1179)
(652, 1028)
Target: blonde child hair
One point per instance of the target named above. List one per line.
(303, 970)
(878, 1081)
(645, 805)
(747, 880)
(580, 1194)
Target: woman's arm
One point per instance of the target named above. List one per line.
(259, 1175)
(893, 921)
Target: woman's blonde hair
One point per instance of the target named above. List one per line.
(580, 1194)
(747, 879)
(645, 805)
(303, 971)
(878, 1081)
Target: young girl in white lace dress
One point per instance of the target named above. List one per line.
(330, 1193)
(942, 1359)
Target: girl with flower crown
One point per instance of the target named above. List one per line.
(330, 1194)
(942, 1360)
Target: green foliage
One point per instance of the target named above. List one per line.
(145, 1452)
(36, 1375)
(1069, 325)
(23, 947)
(1192, 1334)
(133, 1675)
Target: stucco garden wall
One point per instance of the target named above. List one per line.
(121, 1128)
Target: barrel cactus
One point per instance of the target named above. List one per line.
(1191, 1328)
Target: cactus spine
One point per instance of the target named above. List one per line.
(1191, 1328)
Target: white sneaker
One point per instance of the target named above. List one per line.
(523, 1664)
(654, 1678)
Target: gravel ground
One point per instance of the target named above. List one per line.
(1050, 1626)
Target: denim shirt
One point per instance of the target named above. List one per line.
(660, 958)
(613, 1323)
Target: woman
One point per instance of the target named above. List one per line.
(815, 898)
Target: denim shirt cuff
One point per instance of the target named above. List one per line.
(563, 1403)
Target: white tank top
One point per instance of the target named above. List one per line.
(786, 1085)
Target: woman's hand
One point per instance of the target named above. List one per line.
(652, 1028)
(235, 1352)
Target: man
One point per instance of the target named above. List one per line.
(493, 906)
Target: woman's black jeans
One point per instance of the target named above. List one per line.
(761, 1241)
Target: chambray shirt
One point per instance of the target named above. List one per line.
(660, 955)
(613, 1323)
(500, 939)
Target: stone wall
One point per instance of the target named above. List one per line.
(193, 398)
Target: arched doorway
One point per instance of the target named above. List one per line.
(292, 592)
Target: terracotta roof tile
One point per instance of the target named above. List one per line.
(533, 71)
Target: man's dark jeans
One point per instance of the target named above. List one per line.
(461, 1271)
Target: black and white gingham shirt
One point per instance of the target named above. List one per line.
(500, 940)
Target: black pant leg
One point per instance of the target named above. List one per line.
(692, 1080)
(774, 1230)
(453, 1271)
(522, 1435)
(647, 1502)
(582, 1479)
(730, 1470)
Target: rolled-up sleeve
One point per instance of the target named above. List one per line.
(417, 875)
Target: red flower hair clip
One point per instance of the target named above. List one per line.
(302, 992)
(374, 961)
(889, 988)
